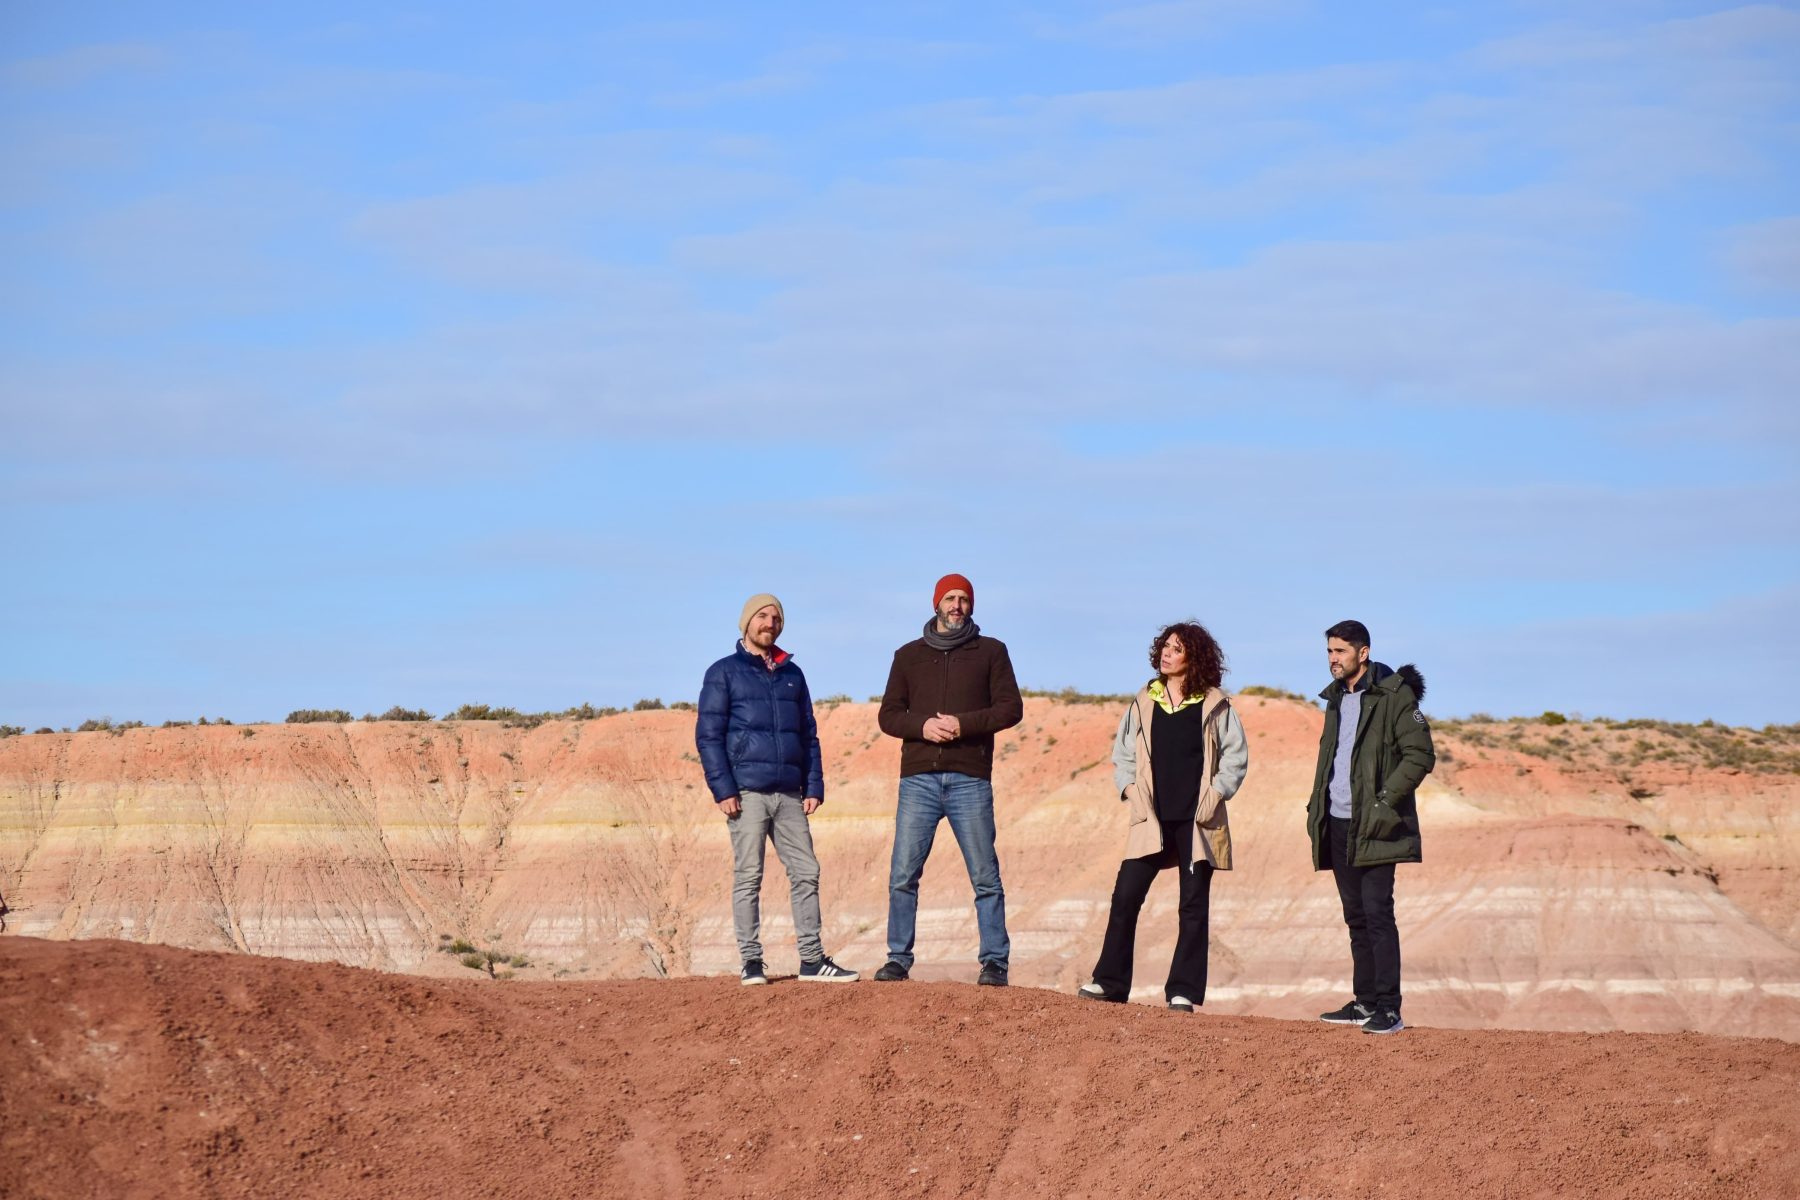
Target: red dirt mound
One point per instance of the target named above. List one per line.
(138, 1071)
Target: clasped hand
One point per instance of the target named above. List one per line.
(942, 728)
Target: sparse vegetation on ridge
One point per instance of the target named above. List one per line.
(1273, 693)
(318, 716)
(7, 731)
(512, 718)
(1069, 695)
(397, 713)
(106, 725)
(1621, 745)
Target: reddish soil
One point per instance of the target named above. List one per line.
(137, 1070)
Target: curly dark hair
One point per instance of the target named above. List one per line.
(1206, 662)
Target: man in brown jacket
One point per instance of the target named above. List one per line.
(947, 695)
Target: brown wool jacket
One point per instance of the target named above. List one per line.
(973, 683)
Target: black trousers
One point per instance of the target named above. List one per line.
(1367, 894)
(1187, 970)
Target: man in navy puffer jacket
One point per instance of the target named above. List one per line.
(759, 747)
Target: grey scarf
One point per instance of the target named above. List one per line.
(950, 641)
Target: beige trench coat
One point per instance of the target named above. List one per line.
(1225, 762)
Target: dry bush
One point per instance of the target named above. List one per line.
(658, 861)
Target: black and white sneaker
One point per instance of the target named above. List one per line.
(753, 973)
(823, 970)
(1181, 1004)
(1351, 1014)
(1386, 1021)
(1093, 991)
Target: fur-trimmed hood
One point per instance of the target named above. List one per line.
(1386, 679)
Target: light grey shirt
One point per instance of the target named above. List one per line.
(1349, 713)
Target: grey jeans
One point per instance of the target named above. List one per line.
(766, 817)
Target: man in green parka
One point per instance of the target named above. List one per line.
(1374, 752)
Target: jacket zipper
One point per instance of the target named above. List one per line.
(945, 697)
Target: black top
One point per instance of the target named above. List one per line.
(1177, 755)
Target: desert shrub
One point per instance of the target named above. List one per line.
(176, 724)
(7, 731)
(316, 716)
(122, 726)
(1069, 695)
(1552, 718)
(651, 705)
(586, 712)
(486, 960)
(462, 946)
(1273, 693)
(397, 713)
(94, 725)
(836, 698)
(682, 706)
(43, 729)
(480, 712)
(247, 732)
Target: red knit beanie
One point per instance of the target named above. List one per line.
(951, 583)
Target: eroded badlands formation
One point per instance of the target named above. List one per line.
(1556, 893)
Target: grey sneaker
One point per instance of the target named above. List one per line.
(992, 976)
(1351, 1014)
(891, 972)
(825, 971)
(1386, 1021)
(753, 973)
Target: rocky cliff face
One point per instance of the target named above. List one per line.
(1556, 893)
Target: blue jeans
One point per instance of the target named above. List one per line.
(968, 803)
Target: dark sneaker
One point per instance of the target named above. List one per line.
(992, 976)
(1351, 1014)
(1181, 1004)
(753, 973)
(1093, 991)
(825, 971)
(1386, 1021)
(891, 972)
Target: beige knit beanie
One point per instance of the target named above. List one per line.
(760, 600)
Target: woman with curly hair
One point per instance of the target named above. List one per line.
(1179, 756)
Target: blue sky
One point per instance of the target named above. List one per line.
(363, 355)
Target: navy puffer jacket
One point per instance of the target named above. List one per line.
(756, 731)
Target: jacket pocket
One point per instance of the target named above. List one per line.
(1214, 819)
(1137, 809)
(1384, 821)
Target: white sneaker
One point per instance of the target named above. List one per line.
(826, 971)
(1181, 1004)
